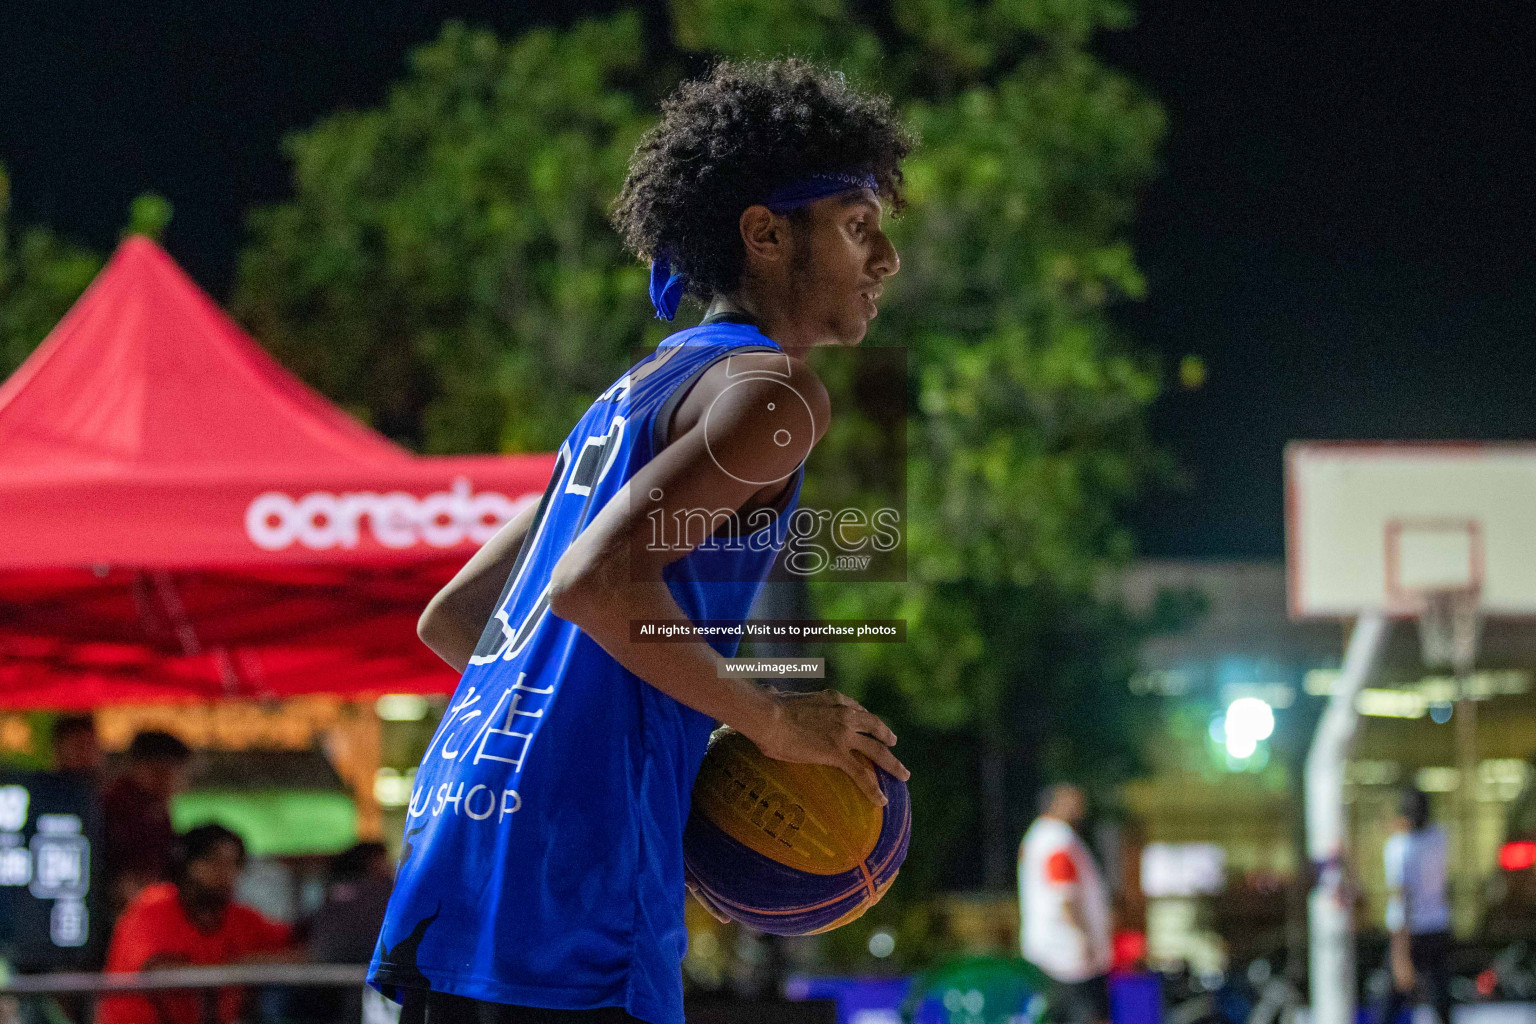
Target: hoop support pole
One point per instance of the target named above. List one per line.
(1330, 935)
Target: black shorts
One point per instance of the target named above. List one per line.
(1078, 1002)
(420, 1006)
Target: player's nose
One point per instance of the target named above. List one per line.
(886, 261)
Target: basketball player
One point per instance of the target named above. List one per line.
(542, 875)
(1066, 926)
(1418, 913)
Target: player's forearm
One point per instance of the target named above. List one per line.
(1075, 916)
(686, 672)
(1397, 911)
(453, 620)
(448, 634)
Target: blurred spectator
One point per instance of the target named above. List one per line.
(1065, 928)
(1418, 913)
(75, 749)
(77, 764)
(193, 921)
(345, 928)
(136, 816)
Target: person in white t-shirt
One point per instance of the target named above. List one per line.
(1064, 907)
(1418, 914)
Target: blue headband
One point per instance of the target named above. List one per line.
(667, 288)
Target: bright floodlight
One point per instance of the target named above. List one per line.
(1241, 747)
(1248, 721)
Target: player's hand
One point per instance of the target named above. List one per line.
(704, 900)
(829, 728)
(1404, 977)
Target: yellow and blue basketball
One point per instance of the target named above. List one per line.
(792, 849)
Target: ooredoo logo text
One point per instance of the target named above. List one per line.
(322, 520)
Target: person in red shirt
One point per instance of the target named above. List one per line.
(193, 921)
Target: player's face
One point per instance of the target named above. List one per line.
(212, 877)
(167, 778)
(842, 260)
(77, 752)
(1073, 805)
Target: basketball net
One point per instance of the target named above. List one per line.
(1450, 625)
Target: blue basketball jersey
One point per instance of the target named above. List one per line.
(542, 857)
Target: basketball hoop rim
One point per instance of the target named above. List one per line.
(1409, 601)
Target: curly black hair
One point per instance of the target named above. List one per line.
(729, 140)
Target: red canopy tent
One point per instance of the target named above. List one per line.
(183, 519)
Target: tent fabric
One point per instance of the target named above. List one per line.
(186, 519)
(148, 427)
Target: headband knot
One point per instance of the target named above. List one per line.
(666, 287)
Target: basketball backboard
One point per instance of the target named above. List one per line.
(1378, 525)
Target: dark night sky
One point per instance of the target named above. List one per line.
(1345, 229)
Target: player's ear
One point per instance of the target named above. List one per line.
(765, 236)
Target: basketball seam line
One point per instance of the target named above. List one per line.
(869, 883)
(890, 856)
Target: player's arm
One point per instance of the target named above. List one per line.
(611, 576)
(456, 615)
(1061, 871)
(1075, 915)
(1393, 864)
(1399, 953)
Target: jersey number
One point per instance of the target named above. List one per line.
(502, 639)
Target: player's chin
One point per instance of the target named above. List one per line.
(851, 329)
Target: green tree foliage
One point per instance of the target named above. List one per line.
(445, 268)
(148, 215)
(41, 275)
(1027, 431)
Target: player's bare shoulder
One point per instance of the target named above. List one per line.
(763, 390)
(760, 414)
